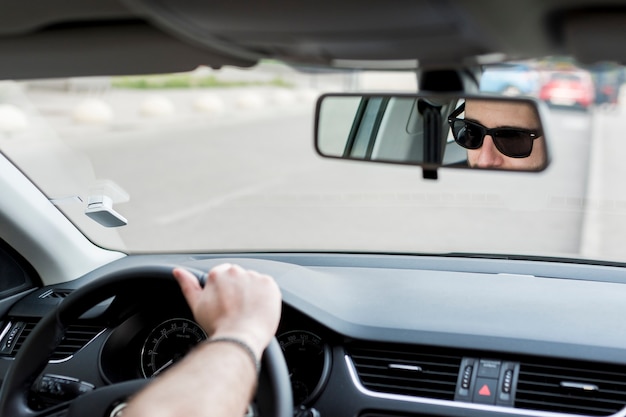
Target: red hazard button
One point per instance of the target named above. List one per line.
(485, 390)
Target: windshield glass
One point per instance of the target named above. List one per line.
(223, 160)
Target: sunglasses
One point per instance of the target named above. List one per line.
(509, 141)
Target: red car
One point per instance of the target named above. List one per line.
(568, 89)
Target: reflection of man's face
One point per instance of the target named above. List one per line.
(492, 114)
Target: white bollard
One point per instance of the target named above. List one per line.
(12, 119)
(250, 101)
(209, 103)
(92, 111)
(156, 106)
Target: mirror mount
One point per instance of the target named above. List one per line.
(439, 81)
(433, 152)
(430, 173)
(447, 81)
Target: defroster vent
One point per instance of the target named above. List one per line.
(406, 370)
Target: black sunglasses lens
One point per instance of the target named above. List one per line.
(468, 135)
(514, 144)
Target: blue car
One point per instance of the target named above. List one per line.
(510, 80)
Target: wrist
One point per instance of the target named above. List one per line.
(241, 344)
(256, 347)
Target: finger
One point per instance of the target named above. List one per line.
(189, 285)
(217, 270)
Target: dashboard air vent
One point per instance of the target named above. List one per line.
(76, 337)
(571, 387)
(22, 329)
(407, 370)
(55, 294)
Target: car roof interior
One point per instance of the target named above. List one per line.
(106, 37)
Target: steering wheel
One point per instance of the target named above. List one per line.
(273, 397)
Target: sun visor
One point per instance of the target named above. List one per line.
(117, 48)
(323, 32)
(596, 36)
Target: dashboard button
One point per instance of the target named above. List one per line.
(485, 390)
(464, 381)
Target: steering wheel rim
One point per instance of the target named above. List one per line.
(34, 354)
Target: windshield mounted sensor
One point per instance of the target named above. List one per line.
(100, 209)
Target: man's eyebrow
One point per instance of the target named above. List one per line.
(500, 127)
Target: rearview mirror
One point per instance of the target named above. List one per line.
(433, 131)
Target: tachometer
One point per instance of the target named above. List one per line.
(167, 343)
(308, 361)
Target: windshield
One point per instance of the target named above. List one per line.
(223, 160)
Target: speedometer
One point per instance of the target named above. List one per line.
(308, 361)
(167, 343)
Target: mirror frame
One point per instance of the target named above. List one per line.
(539, 107)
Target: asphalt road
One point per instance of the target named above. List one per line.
(255, 183)
(605, 216)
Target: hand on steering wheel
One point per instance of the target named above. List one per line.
(274, 389)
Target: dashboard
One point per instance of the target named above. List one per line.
(376, 335)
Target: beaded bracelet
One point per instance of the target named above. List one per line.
(243, 345)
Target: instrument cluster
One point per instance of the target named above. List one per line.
(147, 344)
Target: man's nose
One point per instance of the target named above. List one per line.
(489, 156)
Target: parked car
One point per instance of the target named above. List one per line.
(416, 280)
(571, 88)
(608, 80)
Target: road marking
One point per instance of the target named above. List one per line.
(591, 228)
(197, 209)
